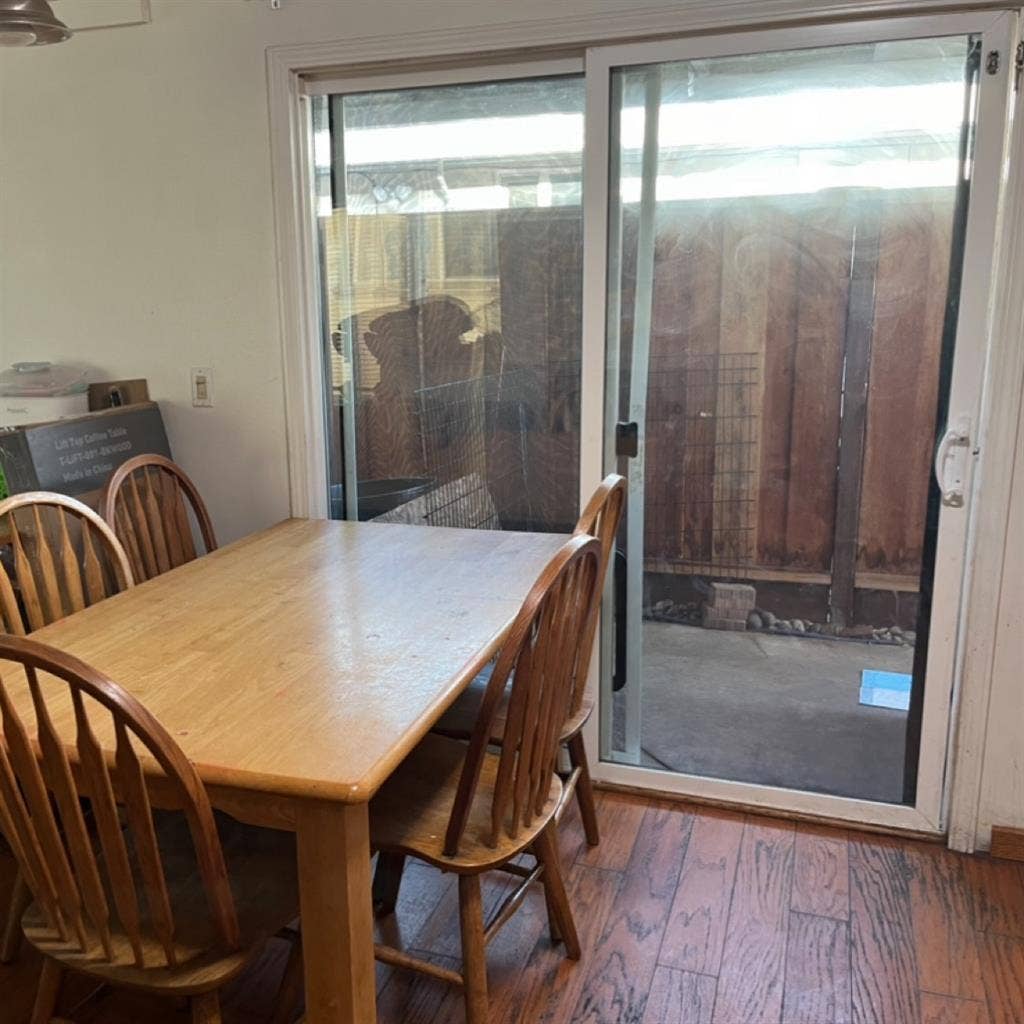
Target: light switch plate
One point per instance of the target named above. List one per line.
(202, 386)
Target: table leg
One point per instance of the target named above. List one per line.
(337, 916)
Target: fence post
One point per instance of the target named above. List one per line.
(860, 317)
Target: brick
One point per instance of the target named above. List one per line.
(715, 618)
(733, 597)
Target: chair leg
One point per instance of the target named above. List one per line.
(556, 935)
(48, 992)
(584, 789)
(289, 994)
(206, 1009)
(387, 880)
(11, 940)
(546, 847)
(474, 950)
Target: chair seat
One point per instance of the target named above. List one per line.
(460, 718)
(410, 812)
(262, 871)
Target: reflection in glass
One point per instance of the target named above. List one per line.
(451, 234)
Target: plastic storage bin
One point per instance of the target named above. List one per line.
(41, 392)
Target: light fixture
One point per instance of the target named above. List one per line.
(30, 23)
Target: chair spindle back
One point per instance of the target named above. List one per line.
(602, 515)
(62, 558)
(146, 503)
(599, 519)
(542, 655)
(90, 890)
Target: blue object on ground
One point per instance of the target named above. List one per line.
(880, 689)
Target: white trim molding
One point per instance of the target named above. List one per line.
(298, 301)
(1001, 407)
(478, 42)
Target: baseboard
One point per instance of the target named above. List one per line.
(1007, 842)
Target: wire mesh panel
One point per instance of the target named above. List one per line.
(457, 434)
(703, 435)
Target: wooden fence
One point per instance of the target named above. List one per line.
(790, 336)
(768, 282)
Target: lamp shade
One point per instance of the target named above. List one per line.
(30, 23)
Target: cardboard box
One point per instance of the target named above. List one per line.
(76, 456)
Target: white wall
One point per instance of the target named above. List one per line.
(136, 229)
(136, 235)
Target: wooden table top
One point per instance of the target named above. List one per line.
(309, 658)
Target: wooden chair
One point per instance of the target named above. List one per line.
(126, 895)
(468, 808)
(146, 502)
(64, 558)
(599, 519)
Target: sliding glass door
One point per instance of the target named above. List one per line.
(750, 272)
(790, 327)
(451, 262)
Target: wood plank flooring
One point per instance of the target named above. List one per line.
(689, 916)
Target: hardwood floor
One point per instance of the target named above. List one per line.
(690, 916)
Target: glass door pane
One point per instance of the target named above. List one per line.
(786, 236)
(451, 260)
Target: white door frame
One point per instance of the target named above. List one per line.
(292, 68)
(997, 31)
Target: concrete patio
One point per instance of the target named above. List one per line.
(776, 710)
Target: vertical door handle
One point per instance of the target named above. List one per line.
(951, 462)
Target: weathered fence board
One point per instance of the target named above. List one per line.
(747, 363)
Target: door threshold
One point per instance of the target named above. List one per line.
(882, 819)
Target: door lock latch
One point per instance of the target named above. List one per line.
(627, 440)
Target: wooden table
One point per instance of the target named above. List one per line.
(296, 668)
